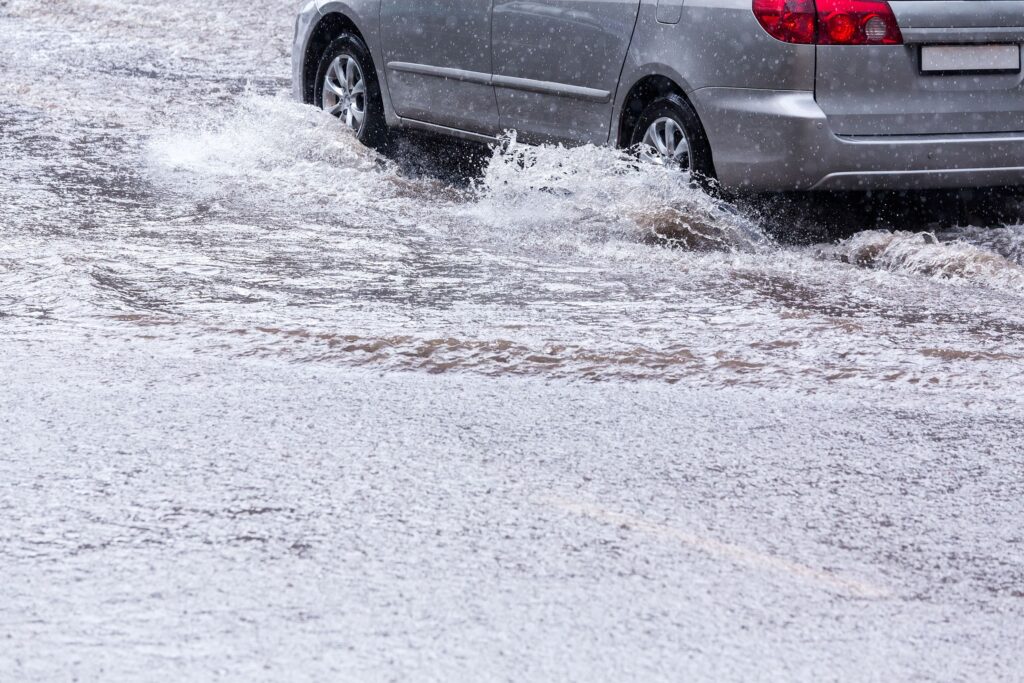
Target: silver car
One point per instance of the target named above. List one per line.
(763, 95)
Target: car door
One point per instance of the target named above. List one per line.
(437, 56)
(557, 65)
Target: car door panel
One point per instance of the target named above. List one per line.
(557, 65)
(437, 55)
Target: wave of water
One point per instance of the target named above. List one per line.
(992, 262)
(553, 188)
(262, 229)
(273, 147)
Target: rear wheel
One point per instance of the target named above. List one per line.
(669, 132)
(347, 87)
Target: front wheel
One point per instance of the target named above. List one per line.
(669, 132)
(347, 87)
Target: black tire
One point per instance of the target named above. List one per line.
(679, 110)
(373, 131)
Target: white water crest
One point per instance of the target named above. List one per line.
(995, 264)
(271, 145)
(610, 192)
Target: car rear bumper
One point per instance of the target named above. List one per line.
(769, 140)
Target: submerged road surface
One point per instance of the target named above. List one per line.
(276, 407)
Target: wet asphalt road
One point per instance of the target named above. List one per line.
(276, 407)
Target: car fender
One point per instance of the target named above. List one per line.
(712, 43)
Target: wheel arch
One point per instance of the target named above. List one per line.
(643, 91)
(331, 24)
(647, 87)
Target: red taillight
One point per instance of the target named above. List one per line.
(857, 22)
(829, 22)
(791, 21)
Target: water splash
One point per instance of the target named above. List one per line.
(607, 192)
(926, 255)
(266, 145)
(542, 263)
(1007, 241)
(271, 145)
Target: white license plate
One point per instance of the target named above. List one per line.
(970, 58)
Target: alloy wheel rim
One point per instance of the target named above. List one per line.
(665, 142)
(344, 93)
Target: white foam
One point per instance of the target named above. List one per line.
(266, 145)
(605, 192)
(923, 254)
(271, 146)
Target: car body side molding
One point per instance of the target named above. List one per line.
(508, 82)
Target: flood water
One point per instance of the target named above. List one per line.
(278, 406)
